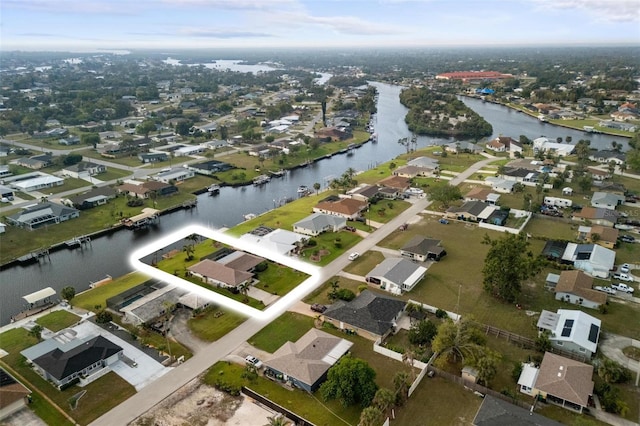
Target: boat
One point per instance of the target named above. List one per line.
(249, 216)
(278, 173)
(213, 189)
(542, 118)
(374, 138)
(350, 148)
(261, 180)
(303, 190)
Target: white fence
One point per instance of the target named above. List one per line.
(424, 371)
(433, 309)
(517, 214)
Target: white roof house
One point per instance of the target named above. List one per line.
(396, 275)
(318, 223)
(606, 200)
(36, 183)
(545, 145)
(527, 378)
(176, 174)
(279, 241)
(188, 150)
(592, 259)
(501, 185)
(571, 330)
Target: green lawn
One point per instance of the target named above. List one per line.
(333, 243)
(385, 210)
(98, 296)
(213, 323)
(288, 327)
(112, 173)
(58, 320)
(278, 279)
(92, 405)
(320, 295)
(69, 184)
(365, 263)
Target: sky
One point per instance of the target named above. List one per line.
(86, 25)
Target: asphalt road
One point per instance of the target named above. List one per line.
(148, 397)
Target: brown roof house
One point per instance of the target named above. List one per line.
(575, 287)
(597, 216)
(305, 363)
(396, 182)
(220, 275)
(598, 234)
(145, 189)
(559, 380)
(345, 207)
(13, 395)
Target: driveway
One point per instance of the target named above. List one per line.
(611, 346)
(180, 331)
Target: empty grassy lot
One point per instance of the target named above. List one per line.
(320, 295)
(98, 296)
(58, 320)
(213, 323)
(288, 327)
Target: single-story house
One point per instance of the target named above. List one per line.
(598, 174)
(605, 157)
(69, 140)
(177, 174)
(397, 182)
(5, 171)
(522, 175)
(500, 185)
(13, 395)
(348, 208)
(280, 241)
(305, 363)
(482, 194)
(63, 362)
(153, 157)
(409, 171)
(602, 235)
(151, 306)
(204, 128)
(370, 314)
(498, 412)
(606, 200)
(396, 275)
(6, 192)
(426, 162)
(241, 261)
(95, 197)
(36, 162)
(576, 287)
(41, 214)
(37, 183)
(571, 330)
(476, 211)
(559, 380)
(317, 223)
(593, 259)
(83, 170)
(215, 273)
(364, 192)
(543, 144)
(189, 150)
(210, 167)
(597, 216)
(145, 189)
(422, 249)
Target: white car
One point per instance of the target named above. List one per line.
(608, 290)
(623, 287)
(354, 255)
(252, 360)
(622, 277)
(625, 268)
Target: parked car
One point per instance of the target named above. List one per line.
(444, 221)
(623, 287)
(354, 255)
(627, 239)
(350, 228)
(608, 290)
(622, 277)
(317, 307)
(252, 360)
(625, 268)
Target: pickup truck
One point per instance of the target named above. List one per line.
(622, 277)
(608, 290)
(622, 287)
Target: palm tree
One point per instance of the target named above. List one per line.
(401, 386)
(317, 187)
(244, 290)
(188, 248)
(277, 420)
(384, 400)
(456, 341)
(370, 416)
(407, 357)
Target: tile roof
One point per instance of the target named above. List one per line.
(579, 283)
(565, 378)
(219, 272)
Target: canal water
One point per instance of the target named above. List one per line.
(108, 255)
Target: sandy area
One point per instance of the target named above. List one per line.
(197, 404)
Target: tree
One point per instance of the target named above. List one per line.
(612, 372)
(611, 168)
(68, 293)
(244, 290)
(351, 381)
(146, 127)
(384, 400)
(36, 331)
(422, 333)
(188, 248)
(507, 264)
(316, 187)
(487, 366)
(92, 139)
(543, 343)
(401, 387)
(103, 317)
(458, 341)
(371, 416)
(444, 194)
(277, 420)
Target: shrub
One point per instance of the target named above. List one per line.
(104, 317)
(312, 243)
(345, 294)
(227, 387)
(362, 288)
(261, 267)
(441, 313)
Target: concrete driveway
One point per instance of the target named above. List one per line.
(611, 345)
(180, 331)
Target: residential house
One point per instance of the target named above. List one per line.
(333, 134)
(606, 200)
(423, 249)
(559, 380)
(396, 275)
(41, 214)
(13, 395)
(95, 197)
(571, 331)
(500, 185)
(551, 281)
(402, 184)
(597, 216)
(348, 208)
(408, 171)
(189, 150)
(220, 275)
(5, 171)
(598, 175)
(241, 261)
(62, 362)
(204, 128)
(462, 147)
(147, 189)
(36, 162)
(498, 412)
(317, 223)
(521, 175)
(153, 157)
(605, 157)
(6, 192)
(426, 162)
(575, 287)
(177, 174)
(482, 194)
(84, 170)
(305, 363)
(593, 259)
(543, 144)
(278, 241)
(557, 202)
(36, 182)
(602, 235)
(69, 140)
(474, 211)
(496, 145)
(151, 306)
(210, 167)
(371, 315)
(364, 192)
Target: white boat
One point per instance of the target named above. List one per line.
(303, 190)
(262, 179)
(249, 216)
(213, 188)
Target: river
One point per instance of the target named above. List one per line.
(109, 255)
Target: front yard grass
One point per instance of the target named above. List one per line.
(288, 327)
(334, 243)
(320, 295)
(58, 320)
(365, 263)
(112, 173)
(278, 279)
(385, 210)
(213, 323)
(69, 184)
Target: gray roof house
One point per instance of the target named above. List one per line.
(83, 170)
(497, 412)
(93, 198)
(422, 249)
(606, 200)
(41, 214)
(396, 275)
(593, 259)
(305, 363)
(371, 315)
(571, 331)
(476, 211)
(317, 223)
(65, 361)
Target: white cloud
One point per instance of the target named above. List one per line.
(603, 10)
(341, 24)
(73, 6)
(234, 4)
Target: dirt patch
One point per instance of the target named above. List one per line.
(195, 404)
(318, 257)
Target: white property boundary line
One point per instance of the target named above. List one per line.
(248, 246)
